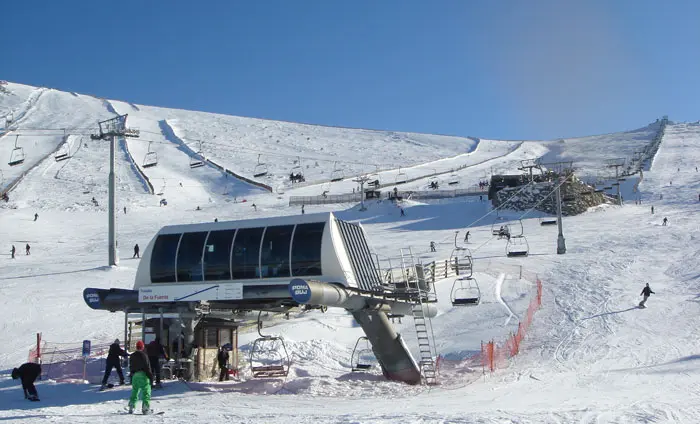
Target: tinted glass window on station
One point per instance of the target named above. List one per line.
(163, 258)
(217, 255)
(306, 249)
(274, 258)
(189, 257)
(246, 253)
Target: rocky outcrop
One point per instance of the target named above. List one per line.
(576, 197)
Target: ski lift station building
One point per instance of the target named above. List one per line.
(267, 264)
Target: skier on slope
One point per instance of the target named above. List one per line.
(113, 361)
(646, 292)
(141, 377)
(28, 373)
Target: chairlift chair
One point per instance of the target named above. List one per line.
(363, 357)
(461, 259)
(517, 246)
(401, 177)
(548, 220)
(453, 180)
(496, 226)
(63, 153)
(268, 355)
(297, 172)
(465, 292)
(151, 158)
(197, 160)
(260, 169)
(336, 174)
(16, 155)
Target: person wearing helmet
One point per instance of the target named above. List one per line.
(141, 378)
(113, 361)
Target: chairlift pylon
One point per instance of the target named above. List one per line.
(465, 292)
(197, 160)
(17, 154)
(363, 357)
(337, 174)
(151, 158)
(260, 169)
(268, 355)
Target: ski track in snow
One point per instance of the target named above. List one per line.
(590, 354)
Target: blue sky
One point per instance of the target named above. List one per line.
(495, 69)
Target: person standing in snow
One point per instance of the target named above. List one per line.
(402, 212)
(141, 377)
(36, 216)
(665, 221)
(28, 373)
(124, 210)
(113, 361)
(466, 237)
(432, 246)
(12, 251)
(652, 210)
(156, 351)
(646, 292)
(27, 248)
(136, 251)
(222, 359)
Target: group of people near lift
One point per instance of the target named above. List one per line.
(296, 178)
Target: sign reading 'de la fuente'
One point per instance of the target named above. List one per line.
(190, 292)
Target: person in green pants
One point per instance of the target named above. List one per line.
(141, 378)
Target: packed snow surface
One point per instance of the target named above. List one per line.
(590, 355)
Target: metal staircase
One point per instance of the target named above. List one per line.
(420, 294)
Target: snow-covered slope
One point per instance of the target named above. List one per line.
(590, 354)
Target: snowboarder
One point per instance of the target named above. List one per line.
(222, 359)
(136, 251)
(113, 361)
(665, 221)
(27, 248)
(466, 237)
(652, 210)
(646, 292)
(141, 377)
(12, 251)
(36, 216)
(255, 208)
(432, 246)
(155, 352)
(28, 373)
(402, 212)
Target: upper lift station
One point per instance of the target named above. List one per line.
(274, 264)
